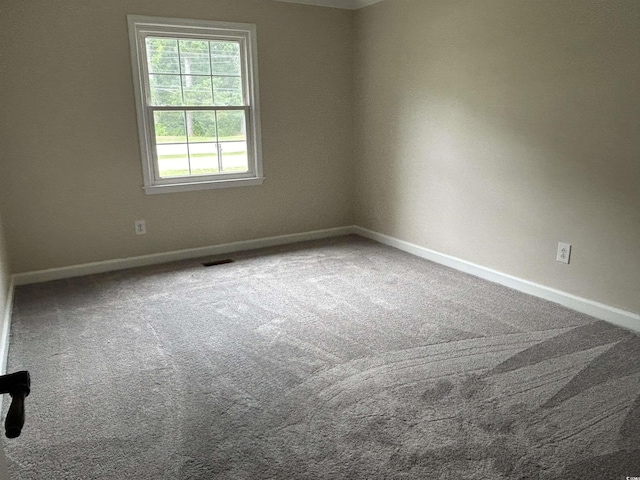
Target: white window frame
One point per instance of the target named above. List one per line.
(141, 27)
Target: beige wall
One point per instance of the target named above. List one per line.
(491, 130)
(68, 124)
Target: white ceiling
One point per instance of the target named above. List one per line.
(346, 4)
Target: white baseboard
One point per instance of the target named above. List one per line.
(601, 311)
(157, 258)
(5, 329)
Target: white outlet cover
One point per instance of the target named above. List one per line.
(564, 252)
(141, 227)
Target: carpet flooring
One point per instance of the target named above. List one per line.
(334, 359)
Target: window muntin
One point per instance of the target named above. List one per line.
(197, 103)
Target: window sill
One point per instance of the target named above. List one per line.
(213, 184)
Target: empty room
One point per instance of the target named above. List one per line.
(320, 239)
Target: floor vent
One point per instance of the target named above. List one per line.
(213, 263)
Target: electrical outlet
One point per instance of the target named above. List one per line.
(141, 227)
(564, 252)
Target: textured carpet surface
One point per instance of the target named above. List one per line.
(338, 359)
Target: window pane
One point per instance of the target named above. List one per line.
(227, 91)
(225, 58)
(231, 125)
(234, 157)
(165, 90)
(173, 160)
(204, 158)
(233, 140)
(169, 127)
(201, 126)
(197, 90)
(194, 57)
(162, 55)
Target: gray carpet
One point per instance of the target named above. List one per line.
(337, 359)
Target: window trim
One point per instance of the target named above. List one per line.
(142, 26)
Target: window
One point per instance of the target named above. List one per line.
(196, 90)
